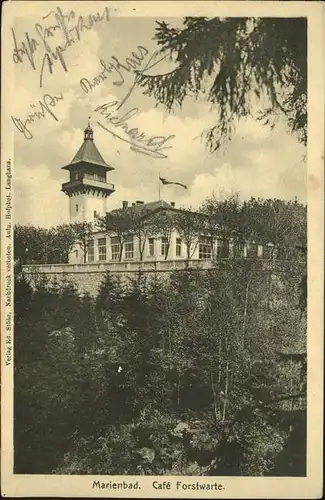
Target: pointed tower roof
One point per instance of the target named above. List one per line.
(88, 152)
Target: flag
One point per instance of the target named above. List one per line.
(165, 182)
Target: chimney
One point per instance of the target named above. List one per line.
(125, 204)
(140, 202)
(172, 203)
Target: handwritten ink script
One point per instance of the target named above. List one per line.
(56, 32)
(130, 64)
(54, 35)
(42, 110)
(152, 146)
(139, 142)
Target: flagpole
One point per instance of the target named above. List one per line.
(159, 185)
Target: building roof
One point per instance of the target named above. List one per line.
(144, 208)
(88, 153)
(149, 207)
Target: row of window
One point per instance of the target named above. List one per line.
(205, 251)
(128, 248)
(95, 213)
(89, 175)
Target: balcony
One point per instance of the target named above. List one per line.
(67, 187)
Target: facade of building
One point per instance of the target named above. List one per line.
(88, 191)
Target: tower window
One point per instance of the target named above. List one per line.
(77, 208)
(95, 214)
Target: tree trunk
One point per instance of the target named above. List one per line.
(121, 252)
(178, 392)
(141, 249)
(169, 340)
(167, 251)
(269, 286)
(245, 311)
(226, 392)
(219, 367)
(188, 254)
(214, 397)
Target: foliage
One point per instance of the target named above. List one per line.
(237, 65)
(221, 219)
(81, 234)
(141, 226)
(279, 225)
(38, 245)
(162, 224)
(118, 222)
(33, 244)
(188, 223)
(160, 376)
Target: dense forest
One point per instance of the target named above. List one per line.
(203, 373)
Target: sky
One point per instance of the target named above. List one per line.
(257, 162)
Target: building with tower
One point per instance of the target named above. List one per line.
(88, 190)
(87, 187)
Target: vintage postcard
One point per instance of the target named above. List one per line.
(162, 242)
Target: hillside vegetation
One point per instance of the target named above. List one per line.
(203, 374)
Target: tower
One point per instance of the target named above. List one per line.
(87, 187)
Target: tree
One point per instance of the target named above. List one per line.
(39, 245)
(189, 224)
(141, 225)
(83, 231)
(118, 222)
(221, 219)
(64, 237)
(236, 64)
(284, 224)
(33, 245)
(162, 224)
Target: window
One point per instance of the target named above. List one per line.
(238, 250)
(222, 249)
(178, 247)
(151, 242)
(95, 177)
(164, 245)
(252, 250)
(77, 209)
(268, 251)
(76, 253)
(115, 247)
(91, 251)
(102, 249)
(205, 247)
(129, 247)
(95, 214)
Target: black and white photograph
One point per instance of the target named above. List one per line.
(162, 241)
